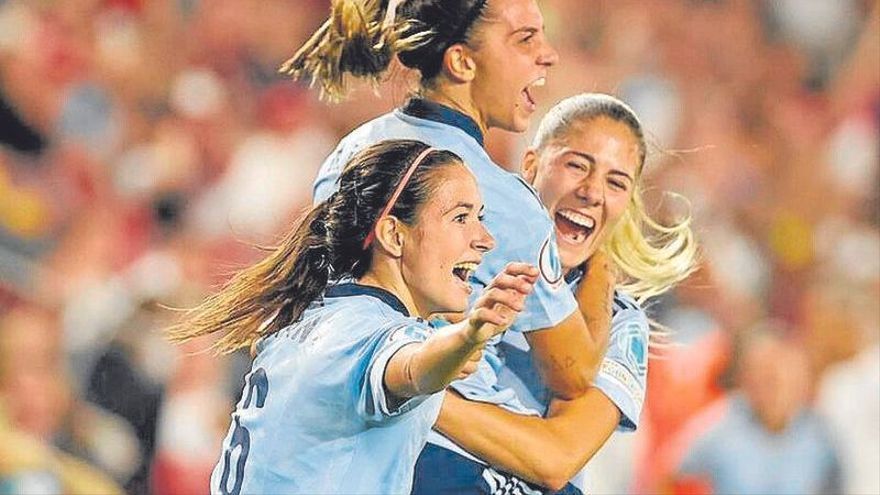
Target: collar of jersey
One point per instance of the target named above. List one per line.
(429, 110)
(575, 275)
(347, 289)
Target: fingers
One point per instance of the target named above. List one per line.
(519, 283)
(493, 296)
(481, 317)
(501, 301)
(524, 271)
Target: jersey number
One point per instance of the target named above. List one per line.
(256, 389)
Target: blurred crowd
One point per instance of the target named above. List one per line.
(148, 147)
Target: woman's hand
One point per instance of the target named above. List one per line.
(500, 302)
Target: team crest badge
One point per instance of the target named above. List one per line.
(636, 349)
(548, 262)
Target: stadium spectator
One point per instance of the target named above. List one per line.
(764, 437)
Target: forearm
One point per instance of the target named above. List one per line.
(569, 355)
(547, 451)
(429, 366)
(595, 296)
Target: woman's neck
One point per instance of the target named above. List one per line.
(383, 277)
(457, 99)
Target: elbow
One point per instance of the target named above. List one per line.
(578, 384)
(555, 479)
(558, 470)
(554, 483)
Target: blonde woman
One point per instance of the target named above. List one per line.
(586, 164)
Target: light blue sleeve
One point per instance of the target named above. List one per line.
(524, 233)
(373, 402)
(483, 384)
(624, 371)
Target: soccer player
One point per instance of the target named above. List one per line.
(586, 163)
(348, 376)
(479, 62)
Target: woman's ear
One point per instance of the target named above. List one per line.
(390, 234)
(529, 169)
(458, 63)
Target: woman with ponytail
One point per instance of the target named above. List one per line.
(480, 62)
(586, 162)
(347, 377)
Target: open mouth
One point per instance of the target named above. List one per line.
(529, 97)
(463, 271)
(573, 226)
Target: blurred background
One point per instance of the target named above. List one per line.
(146, 145)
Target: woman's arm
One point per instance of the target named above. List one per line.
(568, 355)
(547, 451)
(430, 366)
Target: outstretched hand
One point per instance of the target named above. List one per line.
(499, 304)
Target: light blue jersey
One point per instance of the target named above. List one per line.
(513, 214)
(314, 416)
(622, 376)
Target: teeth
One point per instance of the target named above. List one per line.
(469, 266)
(541, 81)
(577, 218)
(465, 269)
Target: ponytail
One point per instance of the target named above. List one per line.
(264, 298)
(328, 244)
(356, 40)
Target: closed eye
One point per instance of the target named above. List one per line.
(617, 185)
(578, 166)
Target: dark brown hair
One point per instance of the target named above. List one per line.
(326, 245)
(356, 40)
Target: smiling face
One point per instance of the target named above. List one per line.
(512, 57)
(586, 179)
(445, 244)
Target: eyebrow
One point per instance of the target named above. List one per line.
(527, 29)
(590, 158)
(460, 204)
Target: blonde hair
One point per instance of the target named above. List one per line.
(361, 37)
(653, 257)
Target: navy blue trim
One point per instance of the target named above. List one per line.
(625, 301)
(429, 110)
(622, 304)
(575, 275)
(353, 289)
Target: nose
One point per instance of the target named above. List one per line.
(592, 192)
(548, 56)
(484, 242)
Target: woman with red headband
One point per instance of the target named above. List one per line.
(336, 315)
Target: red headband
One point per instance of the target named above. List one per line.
(412, 168)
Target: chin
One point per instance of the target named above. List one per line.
(567, 265)
(453, 302)
(520, 125)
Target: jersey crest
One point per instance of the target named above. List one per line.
(548, 262)
(634, 349)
